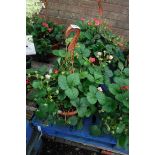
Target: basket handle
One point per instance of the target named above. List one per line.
(71, 46)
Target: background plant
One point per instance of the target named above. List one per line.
(45, 34)
(33, 7)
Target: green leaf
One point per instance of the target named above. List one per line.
(40, 101)
(43, 69)
(91, 70)
(108, 72)
(114, 89)
(101, 97)
(90, 78)
(73, 79)
(88, 35)
(40, 114)
(83, 74)
(84, 101)
(62, 82)
(109, 105)
(95, 130)
(120, 66)
(86, 63)
(75, 102)
(120, 128)
(61, 96)
(126, 71)
(59, 53)
(82, 111)
(91, 98)
(82, 107)
(72, 120)
(98, 78)
(79, 124)
(123, 98)
(51, 107)
(80, 87)
(86, 52)
(72, 93)
(92, 89)
(37, 84)
(123, 141)
(121, 81)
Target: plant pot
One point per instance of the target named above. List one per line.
(67, 114)
(41, 58)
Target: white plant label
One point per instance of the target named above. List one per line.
(30, 48)
(75, 26)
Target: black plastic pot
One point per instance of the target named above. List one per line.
(41, 58)
(28, 62)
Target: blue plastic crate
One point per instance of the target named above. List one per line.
(28, 131)
(80, 136)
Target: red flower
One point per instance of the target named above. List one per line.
(49, 29)
(56, 71)
(89, 23)
(27, 82)
(124, 88)
(91, 59)
(97, 21)
(45, 24)
(82, 19)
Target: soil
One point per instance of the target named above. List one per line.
(50, 147)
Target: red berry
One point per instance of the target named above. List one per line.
(91, 59)
(56, 71)
(124, 88)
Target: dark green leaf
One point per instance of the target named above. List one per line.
(123, 141)
(109, 105)
(92, 89)
(73, 79)
(62, 81)
(120, 128)
(108, 72)
(95, 130)
(101, 97)
(37, 84)
(79, 124)
(91, 98)
(121, 66)
(83, 74)
(90, 78)
(114, 89)
(72, 93)
(126, 71)
(72, 120)
(59, 53)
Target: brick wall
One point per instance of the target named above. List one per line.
(68, 11)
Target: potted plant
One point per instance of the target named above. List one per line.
(46, 36)
(81, 84)
(72, 84)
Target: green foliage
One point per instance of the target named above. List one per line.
(44, 36)
(72, 93)
(59, 53)
(95, 130)
(97, 60)
(62, 82)
(72, 120)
